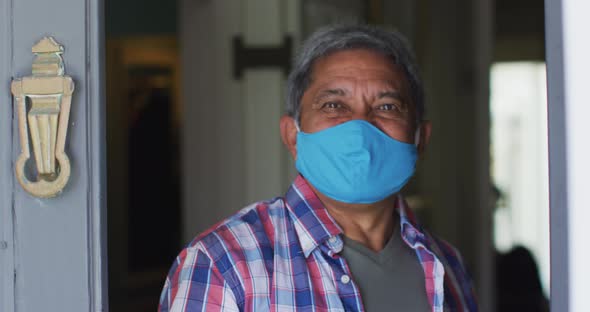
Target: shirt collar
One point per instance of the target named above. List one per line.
(412, 232)
(314, 225)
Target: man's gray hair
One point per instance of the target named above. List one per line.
(338, 38)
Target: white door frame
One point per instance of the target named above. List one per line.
(567, 50)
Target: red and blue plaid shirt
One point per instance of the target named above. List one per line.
(283, 255)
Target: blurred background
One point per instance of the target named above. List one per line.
(195, 92)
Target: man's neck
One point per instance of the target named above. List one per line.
(370, 224)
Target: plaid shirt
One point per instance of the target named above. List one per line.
(283, 255)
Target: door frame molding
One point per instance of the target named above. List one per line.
(7, 279)
(55, 248)
(96, 153)
(557, 156)
(567, 49)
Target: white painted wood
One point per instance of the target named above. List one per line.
(59, 251)
(292, 18)
(263, 99)
(293, 28)
(263, 147)
(319, 13)
(213, 166)
(232, 153)
(262, 22)
(576, 48)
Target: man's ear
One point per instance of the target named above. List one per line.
(425, 130)
(289, 134)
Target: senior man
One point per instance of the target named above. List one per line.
(342, 237)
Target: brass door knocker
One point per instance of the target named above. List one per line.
(43, 107)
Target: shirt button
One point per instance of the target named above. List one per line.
(332, 240)
(345, 279)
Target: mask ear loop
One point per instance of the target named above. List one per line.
(297, 125)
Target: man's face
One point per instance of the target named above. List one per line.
(358, 84)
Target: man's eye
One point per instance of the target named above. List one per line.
(387, 107)
(332, 105)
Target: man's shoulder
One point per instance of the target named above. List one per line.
(456, 272)
(445, 250)
(251, 228)
(223, 256)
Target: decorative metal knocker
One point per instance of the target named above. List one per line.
(43, 106)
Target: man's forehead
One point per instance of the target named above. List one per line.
(359, 57)
(358, 64)
(342, 85)
(334, 71)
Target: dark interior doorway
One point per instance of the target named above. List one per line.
(143, 132)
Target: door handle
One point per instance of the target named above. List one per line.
(43, 103)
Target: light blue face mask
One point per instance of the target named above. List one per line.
(355, 162)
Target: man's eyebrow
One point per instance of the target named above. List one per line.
(329, 92)
(390, 94)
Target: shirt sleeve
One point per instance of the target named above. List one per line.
(195, 284)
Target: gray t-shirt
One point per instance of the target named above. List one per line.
(389, 280)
